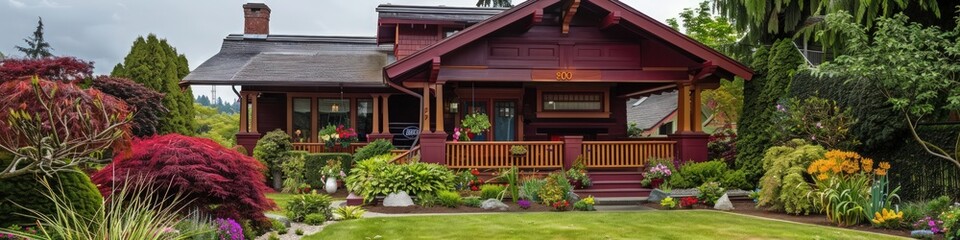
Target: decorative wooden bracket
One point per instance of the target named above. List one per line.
(435, 69)
(612, 19)
(704, 71)
(570, 10)
(535, 18)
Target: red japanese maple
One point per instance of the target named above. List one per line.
(214, 179)
(63, 69)
(145, 102)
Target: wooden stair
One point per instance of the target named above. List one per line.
(615, 184)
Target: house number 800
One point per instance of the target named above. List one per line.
(563, 76)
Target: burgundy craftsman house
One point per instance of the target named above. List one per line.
(553, 75)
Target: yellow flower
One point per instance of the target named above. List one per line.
(850, 167)
(880, 172)
(822, 176)
(867, 164)
(884, 165)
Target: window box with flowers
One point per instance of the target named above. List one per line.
(333, 136)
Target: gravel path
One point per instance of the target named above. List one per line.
(694, 192)
(307, 229)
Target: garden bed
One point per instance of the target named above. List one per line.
(462, 209)
(748, 208)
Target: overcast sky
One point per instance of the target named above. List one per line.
(103, 30)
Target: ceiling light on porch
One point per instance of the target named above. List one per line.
(453, 107)
(335, 107)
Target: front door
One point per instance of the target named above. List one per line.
(503, 118)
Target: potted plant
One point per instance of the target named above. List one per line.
(475, 123)
(518, 151)
(578, 174)
(657, 174)
(329, 175)
(340, 135)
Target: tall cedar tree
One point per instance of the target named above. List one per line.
(36, 46)
(157, 65)
(145, 102)
(774, 69)
(214, 179)
(61, 69)
(2, 57)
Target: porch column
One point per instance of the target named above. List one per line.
(425, 123)
(683, 107)
(439, 109)
(253, 112)
(696, 119)
(381, 127)
(691, 141)
(243, 112)
(246, 137)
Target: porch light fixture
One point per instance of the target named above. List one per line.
(335, 107)
(453, 107)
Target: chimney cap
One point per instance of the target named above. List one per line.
(256, 5)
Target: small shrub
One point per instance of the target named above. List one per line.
(315, 219)
(278, 226)
(735, 179)
(299, 232)
(938, 205)
(23, 190)
(272, 150)
(488, 191)
(375, 148)
(449, 199)
(688, 202)
(783, 187)
(668, 203)
(305, 204)
(472, 202)
(951, 222)
(376, 176)
(465, 180)
(710, 192)
(273, 236)
(524, 204)
(531, 189)
(428, 200)
(293, 170)
(552, 191)
(696, 174)
(229, 229)
(349, 212)
(585, 204)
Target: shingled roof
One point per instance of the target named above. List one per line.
(651, 110)
(290, 60)
(466, 15)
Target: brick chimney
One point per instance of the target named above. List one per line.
(256, 19)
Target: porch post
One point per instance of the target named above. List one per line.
(245, 137)
(433, 144)
(691, 141)
(425, 123)
(381, 127)
(697, 113)
(243, 112)
(683, 107)
(572, 149)
(439, 109)
(253, 113)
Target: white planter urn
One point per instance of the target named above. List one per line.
(330, 185)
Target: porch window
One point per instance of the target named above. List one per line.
(301, 120)
(333, 112)
(572, 102)
(666, 128)
(364, 118)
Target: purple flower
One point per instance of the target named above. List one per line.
(229, 229)
(525, 204)
(781, 108)
(819, 125)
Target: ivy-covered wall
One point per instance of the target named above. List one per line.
(922, 176)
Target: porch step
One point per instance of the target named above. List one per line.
(617, 192)
(615, 175)
(615, 184)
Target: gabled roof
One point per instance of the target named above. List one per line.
(291, 60)
(652, 110)
(630, 15)
(437, 13)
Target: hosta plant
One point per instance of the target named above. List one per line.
(377, 176)
(668, 203)
(349, 212)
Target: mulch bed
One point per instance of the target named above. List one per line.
(462, 209)
(748, 208)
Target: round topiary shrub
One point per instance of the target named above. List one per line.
(27, 191)
(272, 150)
(211, 178)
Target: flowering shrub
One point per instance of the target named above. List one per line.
(887, 218)
(688, 202)
(668, 203)
(951, 226)
(524, 204)
(659, 171)
(228, 229)
(17, 228)
(560, 205)
(332, 169)
(815, 119)
(578, 173)
(929, 223)
(585, 204)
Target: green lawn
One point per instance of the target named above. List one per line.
(585, 225)
(281, 199)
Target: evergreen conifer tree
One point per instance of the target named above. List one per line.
(157, 65)
(36, 46)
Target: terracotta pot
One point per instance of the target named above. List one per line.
(655, 183)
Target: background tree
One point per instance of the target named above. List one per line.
(157, 65)
(217, 126)
(36, 46)
(718, 33)
(144, 102)
(494, 3)
(2, 57)
(55, 126)
(62, 69)
(915, 67)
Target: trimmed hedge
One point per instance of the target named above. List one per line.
(375, 148)
(27, 191)
(922, 176)
(315, 161)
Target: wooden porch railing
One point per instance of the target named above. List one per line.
(404, 156)
(322, 148)
(620, 154)
(497, 155)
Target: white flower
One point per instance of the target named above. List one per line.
(325, 138)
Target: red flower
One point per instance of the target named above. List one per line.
(474, 188)
(475, 172)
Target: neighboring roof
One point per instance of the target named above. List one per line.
(514, 14)
(291, 60)
(652, 110)
(467, 15)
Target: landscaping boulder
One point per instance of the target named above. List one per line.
(400, 199)
(572, 197)
(723, 203)
(281, 219)
(656, 195)
(493, 204)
